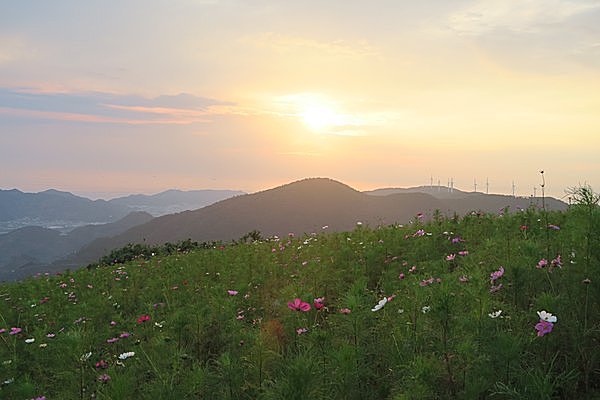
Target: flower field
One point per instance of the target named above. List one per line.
(503, 306)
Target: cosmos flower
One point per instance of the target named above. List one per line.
(546, 316)
(542, 263)
(494, 289)
(298, 305)
(345, 311)
(126, 355)
(143, 319)
(450, 257)
(495, 314)
(425, 309)
(380, 305)
(543, 327)
(232, 292)
(319, 303)
(496, 274)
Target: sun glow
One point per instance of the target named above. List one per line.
(318, 117)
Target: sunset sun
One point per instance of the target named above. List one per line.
(319, 117)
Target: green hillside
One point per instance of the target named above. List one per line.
(446, 308)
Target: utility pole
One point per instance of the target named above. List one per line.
(451, 185)
(475, 184)
(487, 186)
(513, 188)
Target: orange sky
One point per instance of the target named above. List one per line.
(112, 97)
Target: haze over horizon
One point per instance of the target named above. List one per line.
(107, 98)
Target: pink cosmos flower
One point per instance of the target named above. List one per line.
(300, 331)
(15, 331)
(401, 276)
(232, 292)
(112, 340)
(557, 262)
(457, 239)
(112, 323)
(542, 263)
(124, 335)
(319, 303)
(496, 274)
(345, 311)
(523, 227)
(143, 319)
(543, 327)
(298, 305)
(104, 378)
(553, 227)
(494, 289)
(102, 364)
(463, 279)
(2, 330)
(463, 253)
(450, 257)
(426, 282)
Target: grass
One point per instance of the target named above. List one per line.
(433, 339)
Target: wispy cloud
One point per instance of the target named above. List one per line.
(521, 16)
(287, 43)
(97, 107)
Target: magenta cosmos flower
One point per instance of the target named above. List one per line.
(543, 327)
(496, 274)
(298, 305)
(319, 303)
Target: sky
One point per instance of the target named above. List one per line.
(108, 97)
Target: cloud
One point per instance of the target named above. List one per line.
(521, 16)
(98, 107)
(288, 43)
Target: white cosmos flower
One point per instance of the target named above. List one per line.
(85, 356)
(380, 305)
(125, 356)
(425, 309)
(29, 340)
(546, 316)
(495, 314)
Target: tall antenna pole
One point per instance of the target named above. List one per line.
(448, 184)
(451, 185)
(439, 185)
(475, 184)
(487, 186)
(513, 188)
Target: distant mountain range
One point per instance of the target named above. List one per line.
(173, 201)
(300, 207)
(64, 211)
